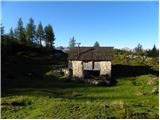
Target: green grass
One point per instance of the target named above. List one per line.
(122, 59)
(132, 97)
(31, 90)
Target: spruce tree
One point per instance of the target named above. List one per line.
(96, 44)
(20, 31)
(30, 30)
(40, 33)
(2, 29)
(49, 36)
(139, 49)
(11, 33)
(154, 52)
(72, 42)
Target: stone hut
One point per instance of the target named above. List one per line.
(88, 61)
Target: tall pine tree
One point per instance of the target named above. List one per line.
(139, 49)
(1, 29)
(153, 52)
(49, 36)
(96, 44)
(11, 33)
(20, 31)
(72, 42)
(40, 33)
(30, 30)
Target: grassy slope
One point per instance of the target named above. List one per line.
(47, 96)
(74, 100)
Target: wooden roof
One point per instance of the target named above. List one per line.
(91, 53)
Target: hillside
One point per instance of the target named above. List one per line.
(21, 62)
(32, 89)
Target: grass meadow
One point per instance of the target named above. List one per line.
(57, 97)
(30, 89)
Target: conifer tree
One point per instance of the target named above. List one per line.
(2, 29)
(153, 52)
(96, 44)
(49, 36)
(72, 42)
(139, 49)
(30, 31)
(11, 33)
(40, 33)
(20, 31)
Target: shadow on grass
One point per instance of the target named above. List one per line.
(64, 94)
(119, 71)
(42, 84)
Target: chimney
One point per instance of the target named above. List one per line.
(78, 49)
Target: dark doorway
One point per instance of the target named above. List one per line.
(70, 72)
(91, 73)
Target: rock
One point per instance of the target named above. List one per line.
(106, 106)
(155, 90)
(118, 104)
(94, 82)
(65, 71)
(139, 94)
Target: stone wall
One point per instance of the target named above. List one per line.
(77, 67)
(87, 65)
(105, 68)
(96, 65)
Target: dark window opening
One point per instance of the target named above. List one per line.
(70, 72)
(91, 73)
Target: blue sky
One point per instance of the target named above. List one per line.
(118, 24)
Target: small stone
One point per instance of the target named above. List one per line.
(139, 94)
